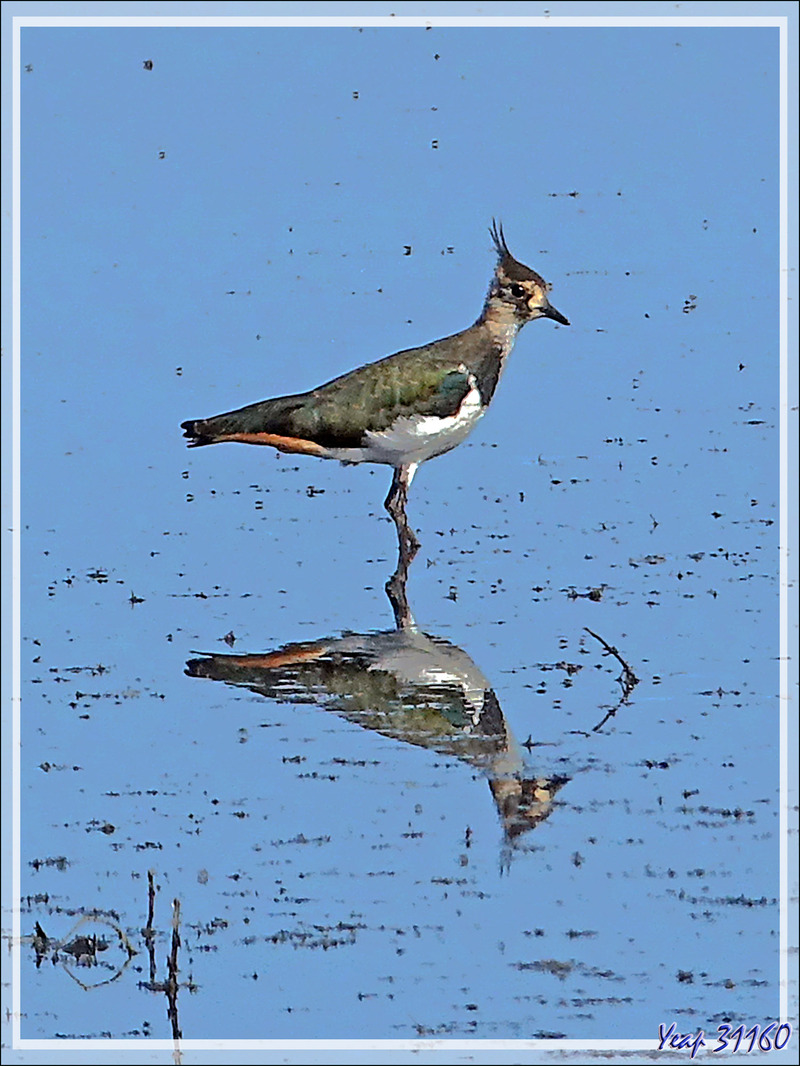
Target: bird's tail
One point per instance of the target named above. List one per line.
(269, 422)
(239, 425)
(199, 432)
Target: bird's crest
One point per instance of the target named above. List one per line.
(511, 267)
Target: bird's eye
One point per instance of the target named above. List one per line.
(517, 291)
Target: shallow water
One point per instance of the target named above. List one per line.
(343, 815)
(488, 826)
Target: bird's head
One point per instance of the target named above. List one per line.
(517, 288)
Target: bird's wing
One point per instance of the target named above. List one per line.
(376, 396)
(336, 415)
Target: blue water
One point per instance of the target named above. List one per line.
(337, 879)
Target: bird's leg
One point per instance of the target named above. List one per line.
(395, 504)
(396, 591)
(407, 543)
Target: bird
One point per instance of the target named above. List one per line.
(405, 408)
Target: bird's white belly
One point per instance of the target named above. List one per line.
(417, 437)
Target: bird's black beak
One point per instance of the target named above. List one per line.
(550, 312)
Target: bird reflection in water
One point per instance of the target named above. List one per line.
(408, 686)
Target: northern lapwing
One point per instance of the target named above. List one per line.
(412, 688)
(406, 408)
